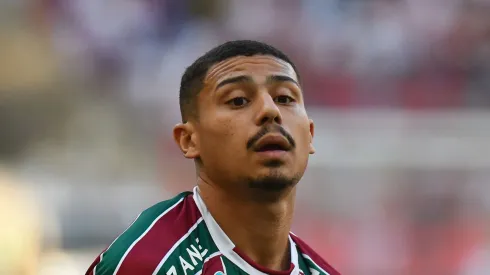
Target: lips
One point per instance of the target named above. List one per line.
(272, 143)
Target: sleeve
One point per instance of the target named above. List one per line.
(91, 269)
(102, 266)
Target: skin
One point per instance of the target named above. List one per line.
(243, 97)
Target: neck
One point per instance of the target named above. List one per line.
(263, 234)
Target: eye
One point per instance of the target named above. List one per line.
(284, 99)
(238, 101)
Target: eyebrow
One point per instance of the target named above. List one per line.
(246, 78)
(281, 78)
(236, 79)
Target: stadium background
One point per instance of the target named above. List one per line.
(399, 89)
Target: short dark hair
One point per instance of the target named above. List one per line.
(193, 79)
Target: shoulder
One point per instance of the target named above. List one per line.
(149, 238)
(314, 261)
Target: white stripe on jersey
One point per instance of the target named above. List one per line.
(176, 245)
(224, 267)
(144, 233)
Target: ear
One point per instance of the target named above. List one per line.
(312, 134)
(186, 139)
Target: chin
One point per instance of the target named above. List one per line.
(274, 181)
(274, 163)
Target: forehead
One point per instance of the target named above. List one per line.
(249, 65)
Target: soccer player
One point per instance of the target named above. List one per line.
(245, 126)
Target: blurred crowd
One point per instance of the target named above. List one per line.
(89, 92)
(378, 53)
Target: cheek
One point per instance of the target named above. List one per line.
(303, 139)
(225, 131)
(303, 146)
(219, 140)
(303, 132)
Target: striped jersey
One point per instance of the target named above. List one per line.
(179, 236)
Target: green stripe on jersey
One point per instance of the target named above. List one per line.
(112, 257)
(313, 268)
(189, 255)
(303, 266)
(231, 268)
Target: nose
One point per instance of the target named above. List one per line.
(268, 111)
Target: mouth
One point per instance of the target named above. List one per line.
(271, 147)
(272, 143)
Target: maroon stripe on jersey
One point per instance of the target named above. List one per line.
(307, 250)
(213, 265)
(261, 268)
(150, 250)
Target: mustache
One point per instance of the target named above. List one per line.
(270, 129)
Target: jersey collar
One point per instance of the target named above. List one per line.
(226, 246)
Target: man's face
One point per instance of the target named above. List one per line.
(252, 124)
